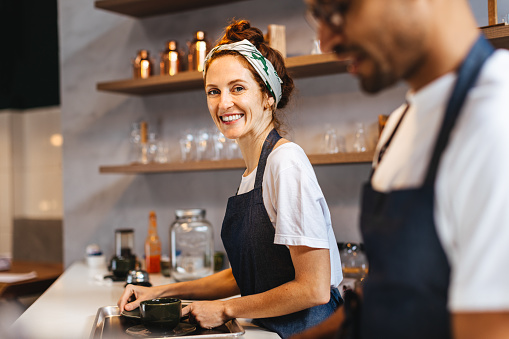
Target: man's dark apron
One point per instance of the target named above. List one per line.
(258, 264)
(405, 294)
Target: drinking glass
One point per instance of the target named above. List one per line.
(316, 47)
(330, 142)
(203, 144)
(232, 150)
(162, 152)
(134, 140)
(218, 141)
(359, 144)
(187, 146)
(152, 144)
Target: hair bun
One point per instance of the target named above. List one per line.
(239, 30)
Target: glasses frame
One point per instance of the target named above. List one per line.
(331, 13)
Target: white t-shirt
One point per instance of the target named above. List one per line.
(295, 203)
(472, 185)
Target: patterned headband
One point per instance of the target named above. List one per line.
(263, 66)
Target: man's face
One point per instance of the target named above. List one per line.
(384, 38)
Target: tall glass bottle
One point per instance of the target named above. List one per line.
(191, 245)
(152, 246)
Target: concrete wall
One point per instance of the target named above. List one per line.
(97, 45)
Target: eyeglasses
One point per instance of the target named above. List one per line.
(328, 12)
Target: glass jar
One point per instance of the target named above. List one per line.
(191, 245)
(353, 261)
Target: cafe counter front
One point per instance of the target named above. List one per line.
(79, 298)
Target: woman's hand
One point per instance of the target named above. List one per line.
(207, 314)
(140, 293)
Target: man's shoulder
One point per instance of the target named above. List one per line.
(496, 70)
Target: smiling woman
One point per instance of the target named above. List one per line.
(279, 214)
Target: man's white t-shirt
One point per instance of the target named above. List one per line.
(472, 184)
(295, 203)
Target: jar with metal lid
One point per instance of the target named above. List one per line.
(353, 261)
(191, 245)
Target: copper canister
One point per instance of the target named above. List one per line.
(142, 65)
(198, 50)
(170, 60)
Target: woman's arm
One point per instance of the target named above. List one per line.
(311, 287)
(478, 325)
(216, 286)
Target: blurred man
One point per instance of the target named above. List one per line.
(435, 212)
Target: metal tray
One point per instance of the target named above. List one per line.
(110, 324)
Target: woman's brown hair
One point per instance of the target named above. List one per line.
(239, 30)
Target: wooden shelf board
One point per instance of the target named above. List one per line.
(341, 158)
(300, 66)
(315, 65)
(498, 35)
(316, 159)
(145, 8)
(156, 84)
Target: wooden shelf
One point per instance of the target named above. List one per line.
(498, 35)
(316, 159)
(145, 8)
(299, 67)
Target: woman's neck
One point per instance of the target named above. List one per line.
(251, 147)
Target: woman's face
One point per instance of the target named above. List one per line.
(236, 103)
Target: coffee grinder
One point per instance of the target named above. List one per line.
(124, 259)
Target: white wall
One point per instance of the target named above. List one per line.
(30, 168)
(97, 45)
(6, 189)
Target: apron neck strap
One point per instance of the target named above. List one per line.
(467, 77)
(268, 145)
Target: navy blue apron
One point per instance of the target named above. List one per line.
(258, 264)
(405, 293)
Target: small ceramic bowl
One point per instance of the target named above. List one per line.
(162, 314)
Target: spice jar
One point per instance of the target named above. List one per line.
(170, 59)
(191, 245)
(198, 50)
(142, 65)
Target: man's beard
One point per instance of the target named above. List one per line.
(379, 80)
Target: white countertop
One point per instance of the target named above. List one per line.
(68, 308)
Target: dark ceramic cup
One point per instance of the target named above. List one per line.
(161, 314)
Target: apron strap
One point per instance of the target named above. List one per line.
(383, 149)
(268, 145)
(467, 76)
